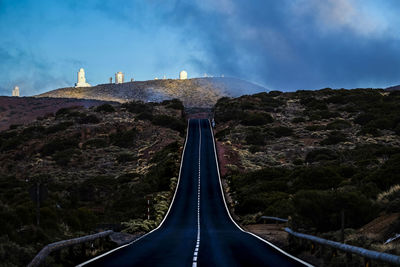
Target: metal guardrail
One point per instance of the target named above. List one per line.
(373, 255)
(41, 256)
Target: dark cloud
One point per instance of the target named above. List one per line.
(284, 45)
(270, 42)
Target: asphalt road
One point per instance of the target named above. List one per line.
(198, 230)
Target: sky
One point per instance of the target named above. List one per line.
(280, 44)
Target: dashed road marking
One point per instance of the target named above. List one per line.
(196, 250)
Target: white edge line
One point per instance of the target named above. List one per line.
(226, 207)
(165, 217)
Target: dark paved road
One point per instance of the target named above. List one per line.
(198, 229)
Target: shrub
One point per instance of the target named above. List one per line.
(124, 138)
(174, 104)
(89, 119)
(95, 142)
(315, 127)
(256, 119)
(364, 118)
(125, 157)
(298, 120)
(222, 134)
(338, 125)
(254, 136)
(14, 126)
(63, 157)
(137, 107)
(315, 178)
(107, 108)
(334, 138)
(367, 130)
(32, 132)
(388, 175)
(62, 126)
(322, 209)
(10, 143)
(170, 122)
(282, 131)
(321, 155)
(58, 144)
(145, 116)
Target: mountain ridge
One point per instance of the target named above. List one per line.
(196, 92)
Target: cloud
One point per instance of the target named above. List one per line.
(31, 74)
(338, 15)
(284, 45)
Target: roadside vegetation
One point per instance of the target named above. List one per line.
(97, 168)
(312, 155)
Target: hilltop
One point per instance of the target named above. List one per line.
(198, 92)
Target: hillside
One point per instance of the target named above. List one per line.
(309, 155)
(98, 166)
(199, 92)
(393, 88)
(21, 110)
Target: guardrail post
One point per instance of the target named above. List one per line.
(367, 262)
(313, 248)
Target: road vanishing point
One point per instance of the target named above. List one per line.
(198, 229)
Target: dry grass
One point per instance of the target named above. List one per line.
(384, 196)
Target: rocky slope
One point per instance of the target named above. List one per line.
(98, 166)
(20, 110)
(311, 155)
(200, 92)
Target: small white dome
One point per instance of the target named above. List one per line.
(183, 75)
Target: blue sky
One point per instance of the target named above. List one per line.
(281, 44)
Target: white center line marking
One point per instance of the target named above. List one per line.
(196, 251)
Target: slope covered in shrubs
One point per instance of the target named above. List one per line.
(98, 167)
(312, 155)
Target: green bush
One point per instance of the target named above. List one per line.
(364, 118)
(220, 135)
(63, 157)
(95, 142)
(174, 104)
(124, 138)
(334, 138)
(338, 125)
(321, 155)
(89, 119)
(315, 178)
(125, 157)
(107, 108)
(32, 132)
(298, 120)
(59, 144)
(282, 131)
(322, 209)
(315, 127)
(255, 137)
(137, 107)
(170, 122)
(62, 126)
(145, 116)
(256, 119)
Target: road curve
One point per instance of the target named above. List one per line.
(198, 229)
